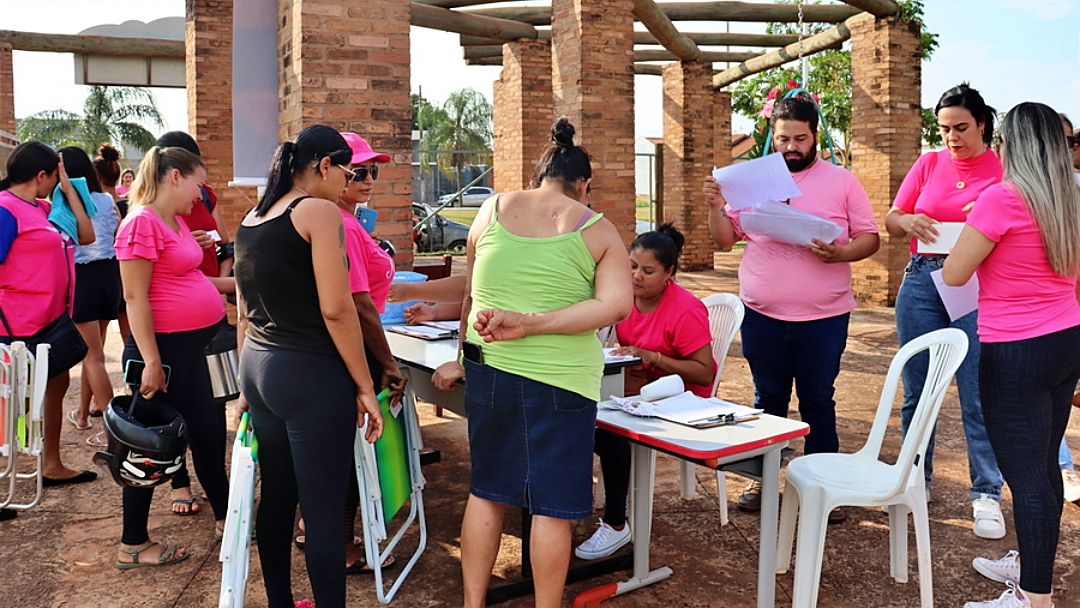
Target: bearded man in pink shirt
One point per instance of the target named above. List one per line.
(798, 299)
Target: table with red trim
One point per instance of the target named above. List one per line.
(750, 448)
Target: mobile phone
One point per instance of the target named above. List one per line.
(133, 370)
(472, 352)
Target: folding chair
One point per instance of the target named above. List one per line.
(388, 473)
(23, 378)
(235, 554)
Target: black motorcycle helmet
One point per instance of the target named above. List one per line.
(147, 442)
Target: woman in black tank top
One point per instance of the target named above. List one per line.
(302, 366)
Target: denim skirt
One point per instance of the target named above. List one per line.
(531, 443)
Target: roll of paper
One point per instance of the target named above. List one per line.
(665, 387)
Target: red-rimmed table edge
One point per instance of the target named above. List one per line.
(738, 448)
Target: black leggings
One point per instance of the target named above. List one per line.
(303, 410)
(1026, 388)
(614, 453)
(189, 393)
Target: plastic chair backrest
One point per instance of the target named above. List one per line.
(726, 312)
(947, 349)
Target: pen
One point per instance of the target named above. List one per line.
(723, 419)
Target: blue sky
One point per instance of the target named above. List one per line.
(1011, 50)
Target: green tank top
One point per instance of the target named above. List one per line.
(538, 275)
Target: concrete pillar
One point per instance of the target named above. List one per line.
(522, 112)
(593, 84)
(886, 74)
(7, 90)
(689, 133)
(345, 63)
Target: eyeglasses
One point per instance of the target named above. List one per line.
(360, 173)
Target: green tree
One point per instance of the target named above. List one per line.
(110, 115)
(463, 125)
(829, 76)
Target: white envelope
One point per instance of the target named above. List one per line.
(948, 232)
(958, 301)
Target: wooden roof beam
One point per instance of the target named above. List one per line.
(639, 68)
(484, 52)
(718, 10)
(701, 39)
(438, 18)
(813, 44)
(93, 45)
(877, 8)
(660, 26)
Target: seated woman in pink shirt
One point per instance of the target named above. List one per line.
(174, 311)
(668, 330)
(1023, 237)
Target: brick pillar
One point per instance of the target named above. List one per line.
(593, 83)
(689, 131)
(886, 74)
(208, 41)
(345, 63)
(7, 90)
(522, 112)
(722, 124)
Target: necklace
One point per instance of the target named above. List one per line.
(813, 165)
(960, 183)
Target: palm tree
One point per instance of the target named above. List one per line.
(462, 124)
(110, 114)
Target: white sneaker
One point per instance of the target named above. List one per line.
(1012, 598)
(605, 541)
(1072, 485)
(1004, 570)
(989, 522)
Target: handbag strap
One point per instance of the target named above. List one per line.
(7, 326)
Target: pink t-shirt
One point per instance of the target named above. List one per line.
(370, 268)
(678, 327)
(36, 269)
(788, 282)
(181, 297)
(930, 186)
(1020, 296)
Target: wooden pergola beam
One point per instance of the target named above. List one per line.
(437, 18)
(459, 3)
(877, 8)
(92, 45)
(719, 10)
(706, 56)
(819, 42)
(652, 69)
(701, 39)
(480, 41)
(660, 26)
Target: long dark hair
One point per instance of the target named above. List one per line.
(107, 165)
(665, 243)
(963, 96)
(77, 163)
(179, 139)
(26, 161)
(563, 161)
(293, 158)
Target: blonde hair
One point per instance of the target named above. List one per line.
(153, 168)
(1038, 166)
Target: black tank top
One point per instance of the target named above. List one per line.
(276, 278)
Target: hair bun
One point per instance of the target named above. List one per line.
(563, 132)
(109, 153)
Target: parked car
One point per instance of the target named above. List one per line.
(473, 197)
(437, 233)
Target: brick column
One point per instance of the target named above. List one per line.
(886, 74)
(522, 112)
(593, 83)
(208, 42)
(345, 63)
(722, 125)
(689, 131)
(7, 90)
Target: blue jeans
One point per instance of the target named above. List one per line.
(919, 311)
(1065, 460)
(806, 352)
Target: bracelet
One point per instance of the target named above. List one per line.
(658, 356)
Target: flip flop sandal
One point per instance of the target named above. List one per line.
(98, 440)
(219, 532)
(361, 567)
(190, 502)
(300, 541)
(74, 423)
(165, 557)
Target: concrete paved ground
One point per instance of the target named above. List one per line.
(60, 554)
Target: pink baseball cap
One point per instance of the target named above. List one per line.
(361, 150)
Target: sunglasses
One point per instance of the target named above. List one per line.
(361, 173)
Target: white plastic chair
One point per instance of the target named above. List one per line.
(726, 313)
(23, 380)
(818, 483)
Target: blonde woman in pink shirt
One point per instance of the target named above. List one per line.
(1023, 237)
(942, 187)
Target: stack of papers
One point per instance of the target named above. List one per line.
(685, 408)
(610, 358)
(444, 325)
(789, 225)
(422, 331)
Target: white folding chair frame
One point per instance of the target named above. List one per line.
(23, 380)
(235, 556)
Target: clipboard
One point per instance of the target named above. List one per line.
(422, 331)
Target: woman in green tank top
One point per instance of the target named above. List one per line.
(544, 274)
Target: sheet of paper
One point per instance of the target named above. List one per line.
(444, 325)
(610, 358)
(634, 407)
(421, 331)
(784, 223)
(755, 181)
(948, 232)
(958, 301)
(688, 407)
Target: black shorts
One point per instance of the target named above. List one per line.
(97, 291)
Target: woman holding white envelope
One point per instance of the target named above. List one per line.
(936, 195)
